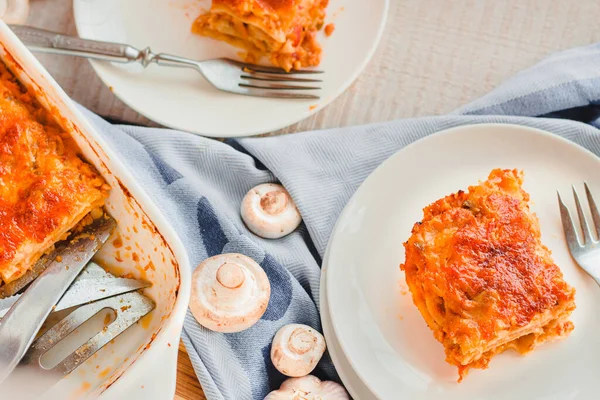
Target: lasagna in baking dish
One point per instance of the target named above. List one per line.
(46, 189)
(283, 30)
(481, 277)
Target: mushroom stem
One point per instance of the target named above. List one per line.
(274, 202)
(269, 211)
(302, 341)
(230, 275)
(296, 349)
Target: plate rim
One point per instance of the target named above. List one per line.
(330, 335)
(98, 68)
(444, 132)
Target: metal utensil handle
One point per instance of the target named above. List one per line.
(52, 42)
(22, 322)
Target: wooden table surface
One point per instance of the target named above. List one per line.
(434, 57)
(188, 387)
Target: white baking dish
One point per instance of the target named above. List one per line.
(140, 363)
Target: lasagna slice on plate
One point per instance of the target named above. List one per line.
(283, 30)
(481, 277)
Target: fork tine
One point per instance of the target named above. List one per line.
(276, 94)
(568, 226)
(247, 67)
(587, 236)
(276, 78)
(279, 87)
(275, 70)
(593, 208)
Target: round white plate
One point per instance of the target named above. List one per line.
(379, 329)
(182, 99)
(353, 384)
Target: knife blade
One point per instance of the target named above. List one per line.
(25, 318)
(84, 291)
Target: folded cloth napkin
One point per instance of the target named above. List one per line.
(198, 184)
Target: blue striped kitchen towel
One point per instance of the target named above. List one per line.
(198, 184)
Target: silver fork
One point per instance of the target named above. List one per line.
(223, 73)
(585, 252)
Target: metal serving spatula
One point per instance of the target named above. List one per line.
(43, 301)
(91, 285)
(128, 308)
(25, 318)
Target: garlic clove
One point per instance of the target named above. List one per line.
(309, 388)
(14, 11)
(269, 211)
(297, 349)
(230, 292)
(333, 390)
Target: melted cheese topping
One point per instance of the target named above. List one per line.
(283, 30)
(45, 188)
(481, 277)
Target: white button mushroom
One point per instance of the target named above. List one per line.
(297, 349)
(269, 211)
(230, 292)
(309, 388)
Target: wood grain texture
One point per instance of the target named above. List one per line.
(434, 57)
(188, 387)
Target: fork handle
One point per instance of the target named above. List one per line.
(51, 42)
(55, 43)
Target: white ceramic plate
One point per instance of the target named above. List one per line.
(353, 384)
(379, 329)
(182, 99)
